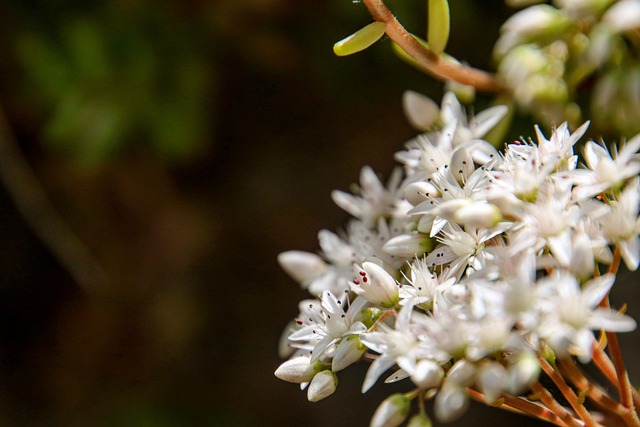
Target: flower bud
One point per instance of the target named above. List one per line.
(536, 21)
(522, 373)
(480, 215)
(427, 374)
(392, 411)
(462, 373)
(322, 385)
(349, 351)
(298, 370)
(376, 285)
(451, 402)
(420, 420)
(492, 379)
(408, 245)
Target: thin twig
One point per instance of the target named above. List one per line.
(554, 406)
(568, 393)
(521, 406)
(37, 210)
(626, 394)
(598, 396)
(432, 62)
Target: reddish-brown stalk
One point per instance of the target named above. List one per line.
(554, 406)
(432, 63)
(599, 397)
(521, 406)
(568, 393)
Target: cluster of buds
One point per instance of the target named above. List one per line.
(551, 55)
(472, 271)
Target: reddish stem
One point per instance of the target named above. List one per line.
(432, 62)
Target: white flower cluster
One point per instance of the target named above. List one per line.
(461, 274)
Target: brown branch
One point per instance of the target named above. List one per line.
(599, 397)
(521, 406)
(431, 62)
(37, 210)
(554, 406)
(568, 393)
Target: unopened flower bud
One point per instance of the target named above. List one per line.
(349, 351)
(298, 370)
(427, 374)
(462, 373)
(480, 215)
(322, 385)
(392, 411)
(523, 372)
(408, 245)
(451, 402)
(376, 285)
(536, 21)
(492, 379)
(419, 420)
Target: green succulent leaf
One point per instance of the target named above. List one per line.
(360, 40)
(438, 28)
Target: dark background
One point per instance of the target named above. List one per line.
(186, 144)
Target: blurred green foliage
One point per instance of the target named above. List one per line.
(107, 83)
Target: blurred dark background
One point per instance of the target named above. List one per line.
(183, 145)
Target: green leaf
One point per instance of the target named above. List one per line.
(438, 28)
(360, 40)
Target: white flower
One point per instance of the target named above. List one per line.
(558, 150)
(429, 152)
(607, 171)
(326, 325)
(424, 288)
(571, 312)
(621, 226)
(375, 201)
(395, 345)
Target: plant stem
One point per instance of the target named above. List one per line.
(521, 406)
(600, 398)
(568, 393)
(432, 62)
(554, 406)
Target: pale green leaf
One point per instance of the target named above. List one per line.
(360, 40)
(438, 25)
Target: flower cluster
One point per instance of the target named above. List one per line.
(470, 268)
(550, 53)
